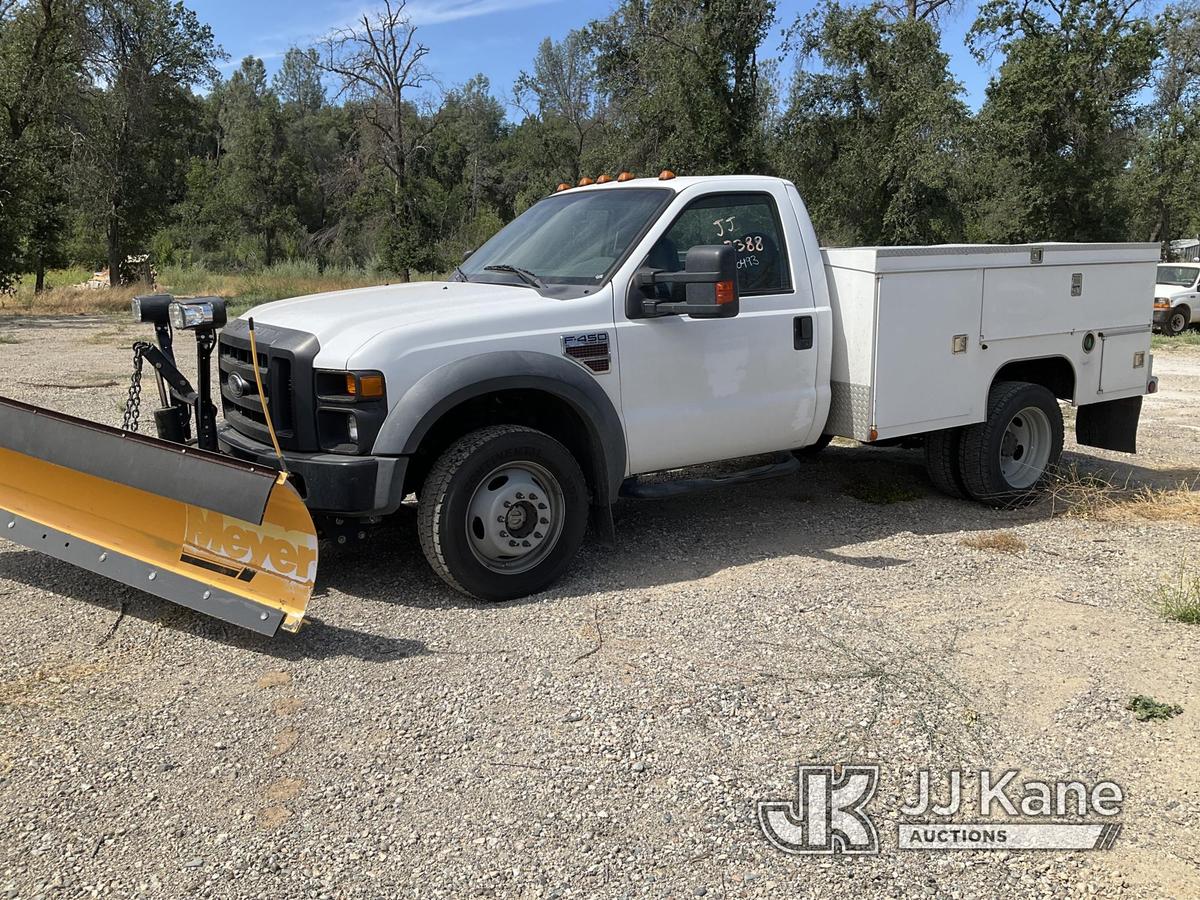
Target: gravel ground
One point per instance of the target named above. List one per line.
(612, 736)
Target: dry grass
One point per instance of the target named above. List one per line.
(45, 687)
(65, 296)
(1099, 498)
(997, 541)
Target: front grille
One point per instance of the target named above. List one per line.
(284, 367)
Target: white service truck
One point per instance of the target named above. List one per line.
(640, 325)
(1176, 297)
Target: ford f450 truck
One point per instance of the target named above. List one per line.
(613, 330)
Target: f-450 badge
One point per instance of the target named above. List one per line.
(590, 349)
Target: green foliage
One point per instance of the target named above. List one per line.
(1147, 709)
(1180, 599)
(686, 87)
(352, 160)
(1057, 128)
(874, 135)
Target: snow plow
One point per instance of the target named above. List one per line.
(171, 517)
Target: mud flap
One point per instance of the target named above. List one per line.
(1111, 425)
(218, 535)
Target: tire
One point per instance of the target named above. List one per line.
(941, 461)
(813, 449)
(1006, 459)
(502, 471)
(1177, 322)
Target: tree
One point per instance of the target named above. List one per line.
(874, 133)
(562, 96)
(40, 57)
(381, 64)
(1057, 127)
(1159, 191)
(298, 81)
(145, 57)
(260, 173)
(682, 79)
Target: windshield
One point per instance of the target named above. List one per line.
(1180, 276)
(569, 242)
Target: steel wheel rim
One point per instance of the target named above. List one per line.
(1178, 323)
(1025, 447)
(515, 517)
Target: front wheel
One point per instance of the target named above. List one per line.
(1005, 459)
(502, 513)
(1177, 321)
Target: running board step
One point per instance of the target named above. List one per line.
(786, 464)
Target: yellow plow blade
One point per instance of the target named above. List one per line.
(217, 535)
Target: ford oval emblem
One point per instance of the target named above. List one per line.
(238, 386)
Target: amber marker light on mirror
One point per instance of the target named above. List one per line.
(725, 292)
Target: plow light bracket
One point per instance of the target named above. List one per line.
(202, 314)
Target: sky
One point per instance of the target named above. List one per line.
(495, 37)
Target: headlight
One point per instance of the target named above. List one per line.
(1162, 303)
(152, 308)
(208, 313)
(352, 430)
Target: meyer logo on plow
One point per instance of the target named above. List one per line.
(265, 548)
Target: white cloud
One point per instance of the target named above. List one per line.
(436, 12)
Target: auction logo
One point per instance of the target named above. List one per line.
(829, 814)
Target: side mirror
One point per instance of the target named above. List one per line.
(710, 285)
(467, 254)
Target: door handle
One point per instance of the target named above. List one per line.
(802, 332)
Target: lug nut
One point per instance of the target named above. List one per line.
(537, 534)
(512, 543)
(504, 534)
(524, 543)
(533, 496)
(520, 496)
(507, 504)
(544, 520)
(541, 506)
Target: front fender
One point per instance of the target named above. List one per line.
(454, 383)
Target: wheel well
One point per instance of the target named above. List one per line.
(1055, 373)
(529, 407)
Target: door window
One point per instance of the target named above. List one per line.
(748, 222)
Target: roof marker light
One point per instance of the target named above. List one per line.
(666, 175)
(625, 176)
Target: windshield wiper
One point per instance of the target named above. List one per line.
(524, 274)
(461, 274)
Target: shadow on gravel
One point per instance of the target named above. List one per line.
(679, 539)
(316, 640)
(693, 536)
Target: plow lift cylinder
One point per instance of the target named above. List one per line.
(221, 536)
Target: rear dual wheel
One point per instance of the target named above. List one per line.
(1004, 460)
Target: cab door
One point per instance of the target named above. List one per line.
(701, 390)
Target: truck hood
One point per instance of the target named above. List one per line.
(344, 321)
(1171, 290)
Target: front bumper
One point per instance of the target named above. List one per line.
(1161, 316)
(330, 482)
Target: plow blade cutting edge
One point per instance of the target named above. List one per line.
(217, 535)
